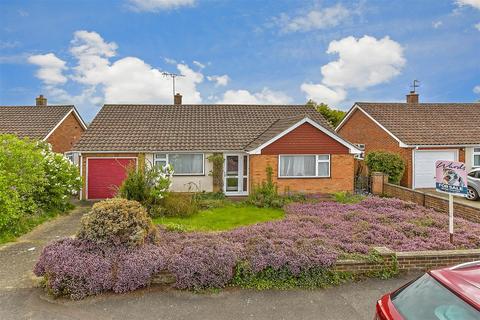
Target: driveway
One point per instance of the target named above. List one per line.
(20, 299)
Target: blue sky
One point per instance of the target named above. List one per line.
(91, 52)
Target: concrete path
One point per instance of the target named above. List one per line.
(20, 299)
(18, 258)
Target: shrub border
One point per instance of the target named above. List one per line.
(382, 263)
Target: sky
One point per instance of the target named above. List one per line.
(93, 52)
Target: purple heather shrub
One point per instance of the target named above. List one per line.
(312, 235)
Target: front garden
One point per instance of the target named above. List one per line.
(119, 249)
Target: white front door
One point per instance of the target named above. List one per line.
(235, 174)
(424, 166)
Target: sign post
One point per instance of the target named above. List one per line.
(451, 178)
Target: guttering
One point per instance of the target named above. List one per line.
(416, 146)
(162, 151)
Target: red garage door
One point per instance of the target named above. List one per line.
(105, 175)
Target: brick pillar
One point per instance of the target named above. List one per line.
(378, 179)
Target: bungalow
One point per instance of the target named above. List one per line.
(304, 151)
(59, 125)
(421, 133)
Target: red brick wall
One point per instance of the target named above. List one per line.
(361, 129)
(67, 133)
(341, 175)
(306, 139)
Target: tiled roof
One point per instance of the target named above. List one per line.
(428, 123)
(31, 121)
(185, 127)
(275, 129)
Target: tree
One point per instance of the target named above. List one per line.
(333, 116)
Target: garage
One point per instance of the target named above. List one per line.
(424, 166)
(105, 175)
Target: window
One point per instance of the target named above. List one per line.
(304, 166)
(161, 159)
(187, 164)
(476, 157)
(426, 298)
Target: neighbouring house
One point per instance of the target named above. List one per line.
(59, 125)
(421, 133)
(304, 151)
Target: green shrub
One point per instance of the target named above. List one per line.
(177, 204)
(63, 179)
(345, 197)
(211, 200)
(389, 163)
(148, 186)
(34, 183)
(282, 278)
(117, 221)
(266, 194)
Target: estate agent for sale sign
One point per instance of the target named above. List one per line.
(451, 177)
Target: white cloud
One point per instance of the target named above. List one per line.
(361, 63)
(315, 19)
(321, 93)
(477, 26)
(50, 68)
(158, 5)
(126, 80)
(473, 3)
(266, 96)
(437, 24)
(198, 64)
(476, 89)
(220, 81)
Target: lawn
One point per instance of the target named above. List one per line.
(224, 218)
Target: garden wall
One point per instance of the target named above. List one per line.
(409, 261)
(380, 186)
(431, 201)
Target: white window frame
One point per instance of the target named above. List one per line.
(167, 162)
(475, 153)
(317, 161)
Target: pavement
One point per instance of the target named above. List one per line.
(21, 298)
(462, 200)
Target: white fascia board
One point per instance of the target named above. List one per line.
(352, 148)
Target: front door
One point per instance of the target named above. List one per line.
(236, 174)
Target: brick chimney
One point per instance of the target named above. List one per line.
(41, 100)
(412, 97)
(177, 99)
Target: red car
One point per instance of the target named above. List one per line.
(443, 294)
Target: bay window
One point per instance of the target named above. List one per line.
(304, 166)
(186, 164)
